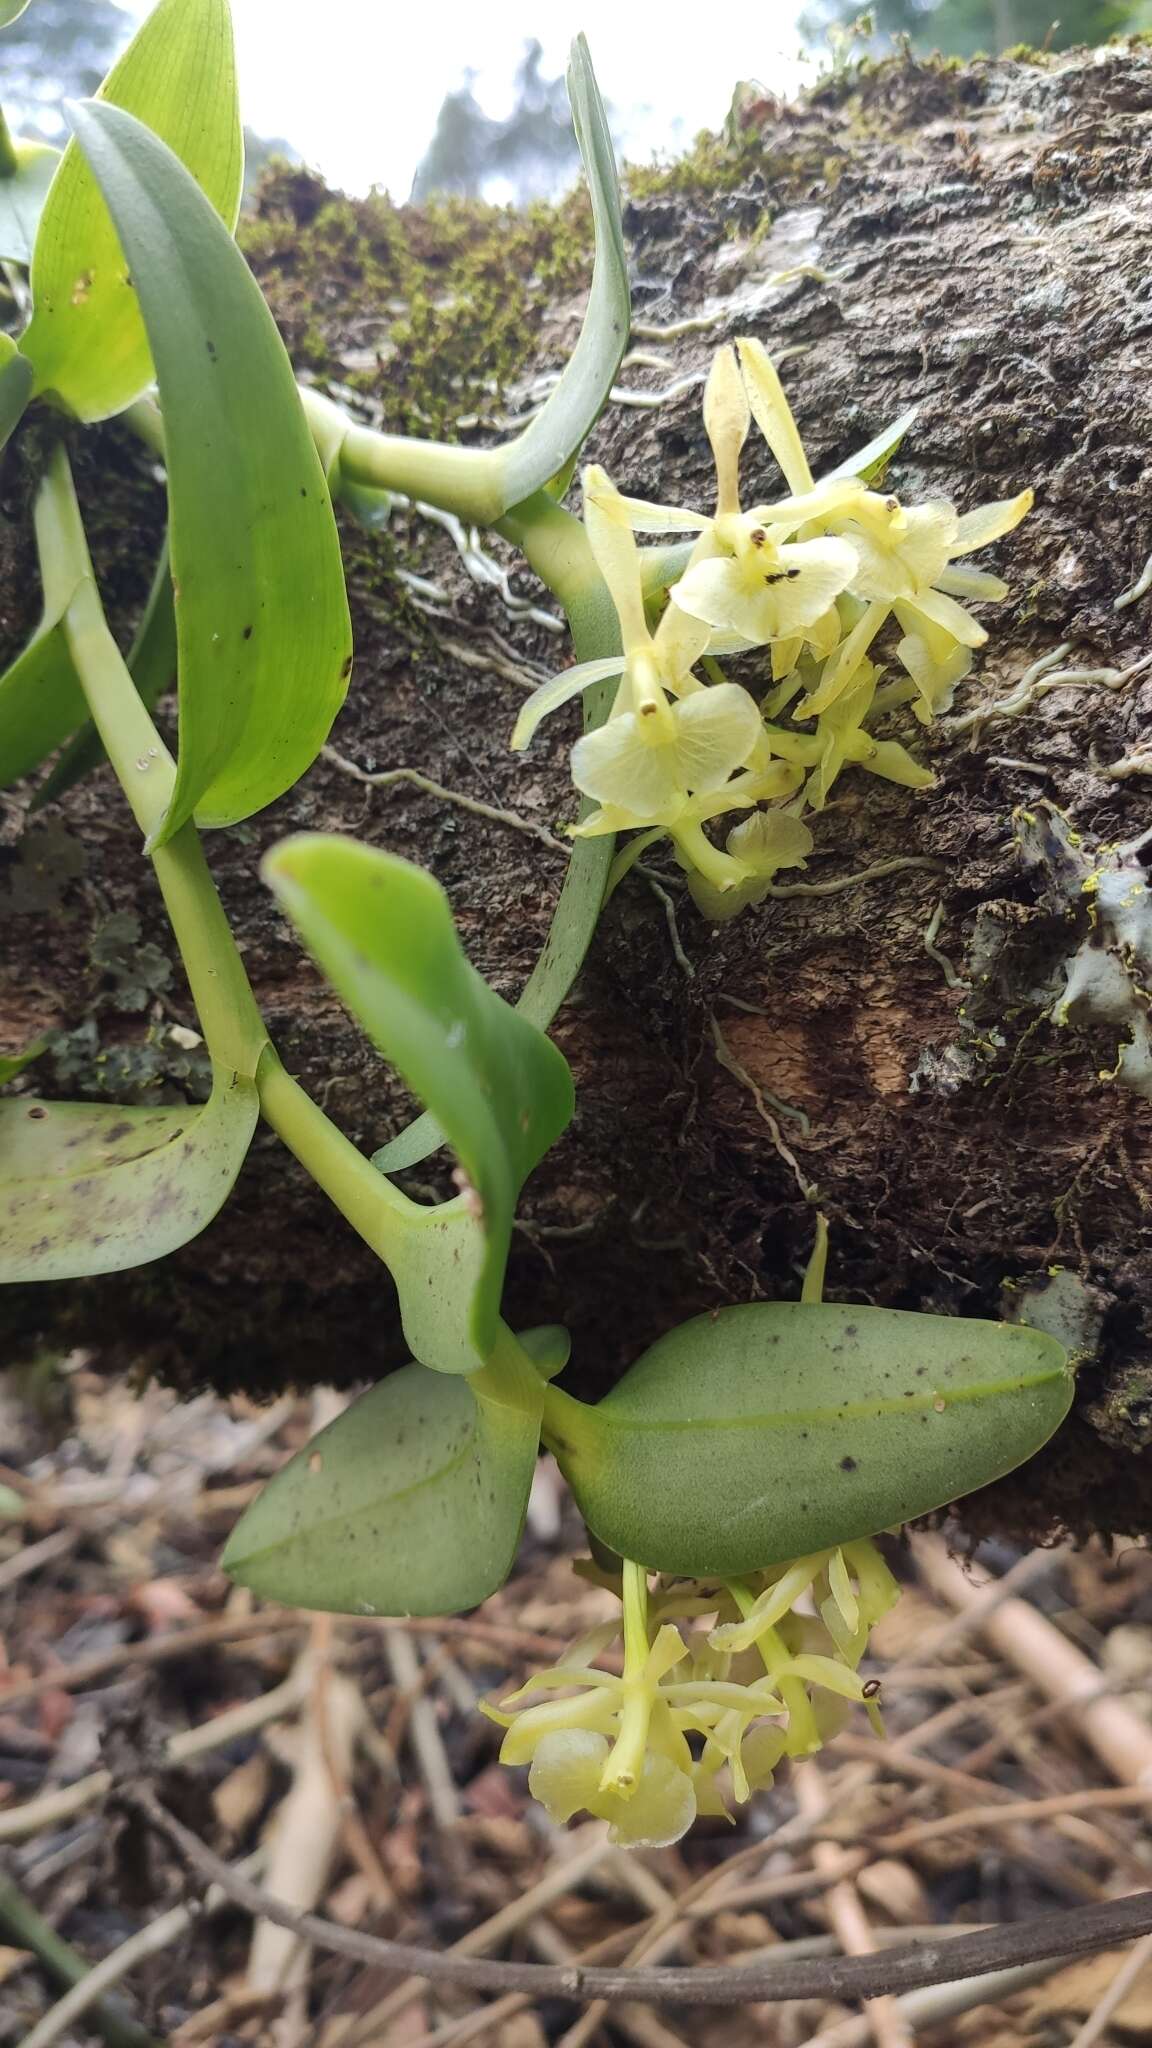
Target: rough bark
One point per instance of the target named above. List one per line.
(980, 239)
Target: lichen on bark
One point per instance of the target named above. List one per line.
(968, 239)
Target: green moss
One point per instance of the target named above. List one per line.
(429, 312)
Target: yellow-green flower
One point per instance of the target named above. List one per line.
(651, 666)
(687, 1727)
(906, 556)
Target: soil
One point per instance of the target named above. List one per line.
(972, 241)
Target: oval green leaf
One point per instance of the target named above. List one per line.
(23, 192)
(86, 339)
(765, 1432)
(411, 1502)
(262, 621)
(89, 1188)
(11, 10)
(382, 931)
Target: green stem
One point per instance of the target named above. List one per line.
(27, 1929)
(229, 1015)
(569, 1428)
(625, 1762)
(377, 1210)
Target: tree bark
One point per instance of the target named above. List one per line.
(972, 241)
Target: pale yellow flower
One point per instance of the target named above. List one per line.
(652, 666)
(651, 770)
(907, 557)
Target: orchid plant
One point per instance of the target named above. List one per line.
(738, 1473)
(814, 577)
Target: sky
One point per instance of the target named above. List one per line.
(356, 85)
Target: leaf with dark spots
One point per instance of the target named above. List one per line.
(93, 1188)
(411, 1502)
(716, 1454)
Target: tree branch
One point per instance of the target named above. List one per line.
(1078, 1932)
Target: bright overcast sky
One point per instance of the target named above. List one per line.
(356, 85)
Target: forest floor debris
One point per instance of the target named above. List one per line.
(343, 1765)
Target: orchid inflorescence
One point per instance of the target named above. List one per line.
(814, 578)
(699, 1716)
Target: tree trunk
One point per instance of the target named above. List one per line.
(973, 241)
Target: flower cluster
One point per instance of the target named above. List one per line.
(703, 1715)
(813, 577)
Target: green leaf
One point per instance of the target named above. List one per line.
(382, 931)
(766, 1432)
(411, 1502)
(481, 485)
(15, 385)
(42, 704)
(152, 661)
(551, 441)
(870, 462)
(86, 338)
(89, 1188)
(23, 192)
(262, 617)
(596, 634)
(41, 701)
(11, 10)
(13, 1063)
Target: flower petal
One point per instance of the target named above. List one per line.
(680, 641)
(773, 414)
(840, 669)
(660, 1810)
(727, 418)
(560, 690)
(972, 583)
(935, 680)
(619, 767)
(778, 600)
(988, 522)
(944, 611)
(589, 1713)
(645, 517)
(716, 731)
(891, 761)
(617, 556)
(770, 840)
(565, 1772)
(906, 557)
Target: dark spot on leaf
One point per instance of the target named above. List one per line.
(211, 348)
(247, 633)
(850, 1330)
(117, 1132)
(847, 1464)
(38, 1111)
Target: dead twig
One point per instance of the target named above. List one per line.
(847, 1916)
(1077, 1932)
(1130, 1969)
(103, 1976)
(53, 1808)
